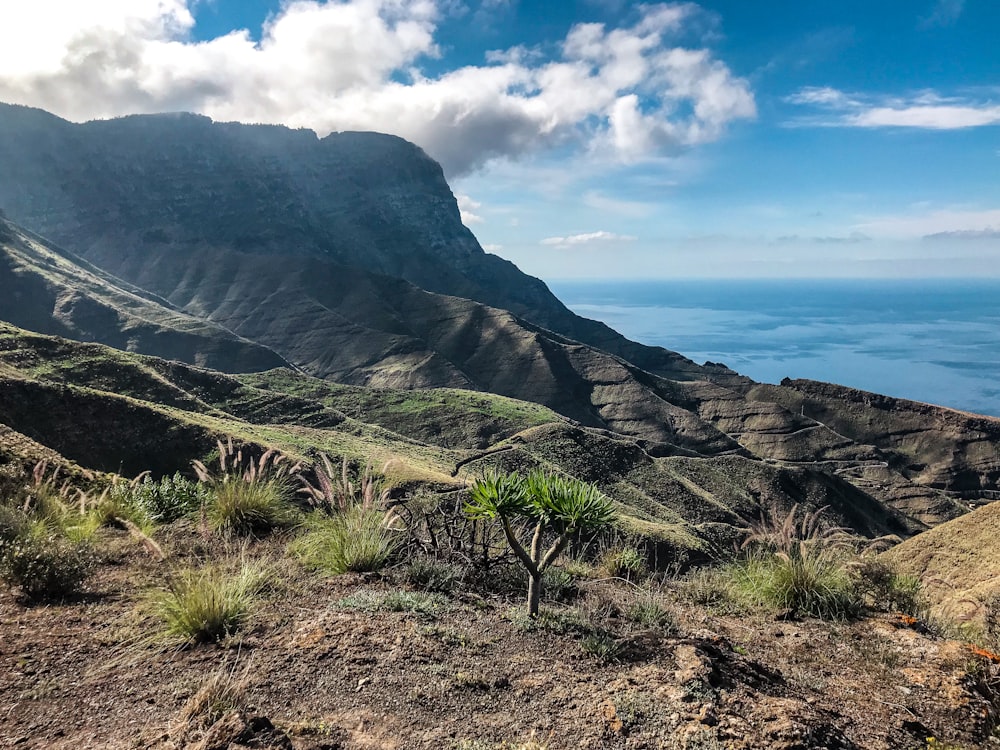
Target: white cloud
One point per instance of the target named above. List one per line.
(356, 65)
(948, 222)
(467, 207)
(493, 248)
(926, 109)
(587, 238)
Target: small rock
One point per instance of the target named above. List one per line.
(707, 716)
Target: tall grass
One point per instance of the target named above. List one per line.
(199, 605)
(353, 532)
(355, 540)
(799, 565)
(249, 496)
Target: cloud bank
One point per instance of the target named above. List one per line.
(927, 110)
(628, 92)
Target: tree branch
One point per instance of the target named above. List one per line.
(519, 552)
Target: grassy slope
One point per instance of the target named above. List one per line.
(116, 411)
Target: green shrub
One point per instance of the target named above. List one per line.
(811, 584)
(885, 589)
(14, 523)
(647, 610)
(146, 500)
(602, 645)
(355, 540)
(627, 562)
(206, 604)
(44, 565)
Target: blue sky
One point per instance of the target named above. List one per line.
(597, 138)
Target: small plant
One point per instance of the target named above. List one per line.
(627, 562)
(200, 605)
(147, 501)
(14, 523)
(45, 566)
(647, 610)
(222, 692)
(551, 503)
(800, 566)
(250, 496)
(432, 575)
(602, 645)
(885, 589)
(418, 602)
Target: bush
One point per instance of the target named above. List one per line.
(207, 604)
(627, 562)
(14, 523)
(145, 501)
(45, 566)
(885, 589)
(356, 540)
(812, 584)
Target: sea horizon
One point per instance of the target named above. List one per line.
(933, 340)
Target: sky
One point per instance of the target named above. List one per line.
(598, 138)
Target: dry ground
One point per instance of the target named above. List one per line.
(470, 674)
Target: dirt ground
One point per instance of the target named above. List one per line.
(468, 672)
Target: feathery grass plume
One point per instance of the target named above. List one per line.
(799, 565)
(200, 605)
(355, 533)
(369, 491)
(249, 496)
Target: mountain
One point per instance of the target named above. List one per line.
(347, 257)
(50, 290)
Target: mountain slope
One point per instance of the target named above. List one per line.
(50, 290)
(114, 411)
(141, 190)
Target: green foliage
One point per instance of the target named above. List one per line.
(647, 610)
(250, 496)
(603, 645)
(13, 523)
(206, 604)
(814, 584)
(885, 589)
(499, 495)
(554, 504)
(433, 575)
(241, 508)
(45, 565)
(418, 602)
(355, 540)
(145, 500)
(798, 565)
(625, 562)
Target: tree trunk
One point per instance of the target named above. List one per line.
(534, 594)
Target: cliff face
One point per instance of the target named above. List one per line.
(146, 189)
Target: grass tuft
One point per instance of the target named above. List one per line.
(355, 540)
(201, 605)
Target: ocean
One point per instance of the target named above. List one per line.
(936, 341)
